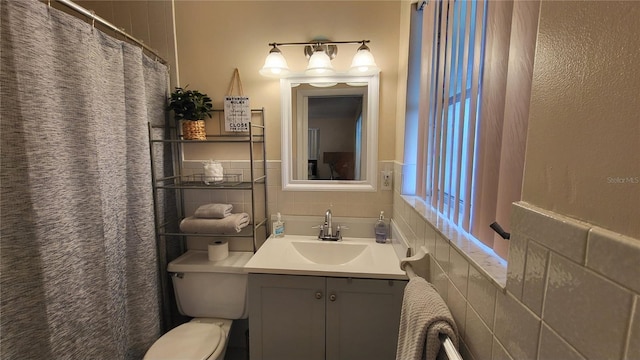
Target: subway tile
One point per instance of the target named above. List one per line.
(458, 306)
(412, 219)
(535, 276)
(196, 196)
(438, 277)
(274, 164)
(459, 271)
(517, 261)
(305, 197)
(481, 294)
(553, 347)
(498, 352)
(633, 347)
(465, 352)
(430, 237)
(615, 256)
(235, 197)
(419, 231)
(559, 233)
(272, 193)
(272, 208)
(442, 252)
(336, 209)
(238, 165)
(301, 208)
(516, 327)
(477, 335)
(408, 235)
(356, 197)
(218, 197)
(580, 302)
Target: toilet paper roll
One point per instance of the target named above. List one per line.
(219, 250)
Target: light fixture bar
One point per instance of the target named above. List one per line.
(320, 42)
(320, 53)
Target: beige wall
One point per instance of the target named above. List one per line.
(583, 149)
(147, 20)
(214, 37)
(565, 278)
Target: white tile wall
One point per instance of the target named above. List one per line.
(341, 203)
(570, 291)
(581, 304)
(552, 346)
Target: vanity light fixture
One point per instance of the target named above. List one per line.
(319, 63)
(363, 62)
(320, 53)
(275, 65)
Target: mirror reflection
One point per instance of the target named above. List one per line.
(329, 133)
(332, 118)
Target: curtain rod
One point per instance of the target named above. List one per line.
(104, 22)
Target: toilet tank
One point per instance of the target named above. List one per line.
(214, 289)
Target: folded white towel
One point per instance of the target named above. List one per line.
(213, 211)
(231, 224)
(423, 318)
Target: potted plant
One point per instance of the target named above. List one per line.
(191, 107)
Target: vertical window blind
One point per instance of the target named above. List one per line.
(466, 169)
(450, 112)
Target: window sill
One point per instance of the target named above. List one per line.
(479, 255)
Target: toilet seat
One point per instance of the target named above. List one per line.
(190, 341)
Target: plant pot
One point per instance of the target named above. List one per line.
(193, 130)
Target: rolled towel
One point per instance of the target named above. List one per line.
(231, 224)
(213, 211)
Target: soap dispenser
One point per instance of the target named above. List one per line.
(278, 227)
(381, 229)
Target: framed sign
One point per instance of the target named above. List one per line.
(237, 113)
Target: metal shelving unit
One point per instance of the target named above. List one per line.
(253, 139)
(172, 183)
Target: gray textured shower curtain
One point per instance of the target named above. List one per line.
(79, 276)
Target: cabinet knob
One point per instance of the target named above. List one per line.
(332, 297)
(319, 295)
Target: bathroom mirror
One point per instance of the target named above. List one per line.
(329, 133)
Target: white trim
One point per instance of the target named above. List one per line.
(370, 142)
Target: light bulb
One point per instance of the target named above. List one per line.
(275, 65)
(319, 64)
(363, 62)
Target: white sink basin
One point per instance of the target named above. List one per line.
(306, 255)
(329, 253)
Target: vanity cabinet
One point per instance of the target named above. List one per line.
(318, 318)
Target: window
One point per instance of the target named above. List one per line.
(464, 168)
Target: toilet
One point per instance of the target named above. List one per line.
(214, 293)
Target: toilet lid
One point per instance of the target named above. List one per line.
(190, 341)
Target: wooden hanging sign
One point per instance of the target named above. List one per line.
(237, 111)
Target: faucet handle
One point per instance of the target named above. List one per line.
(321, 233)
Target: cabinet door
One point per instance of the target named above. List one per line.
(363, 317)
(286, 317)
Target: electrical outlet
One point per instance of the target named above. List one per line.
(386, 180)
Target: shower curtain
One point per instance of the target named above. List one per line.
(78, 261)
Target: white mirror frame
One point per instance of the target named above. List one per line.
(369, 183)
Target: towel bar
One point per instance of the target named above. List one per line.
(421, 261)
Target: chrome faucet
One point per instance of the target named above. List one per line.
(327, 221)
(326, 229)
